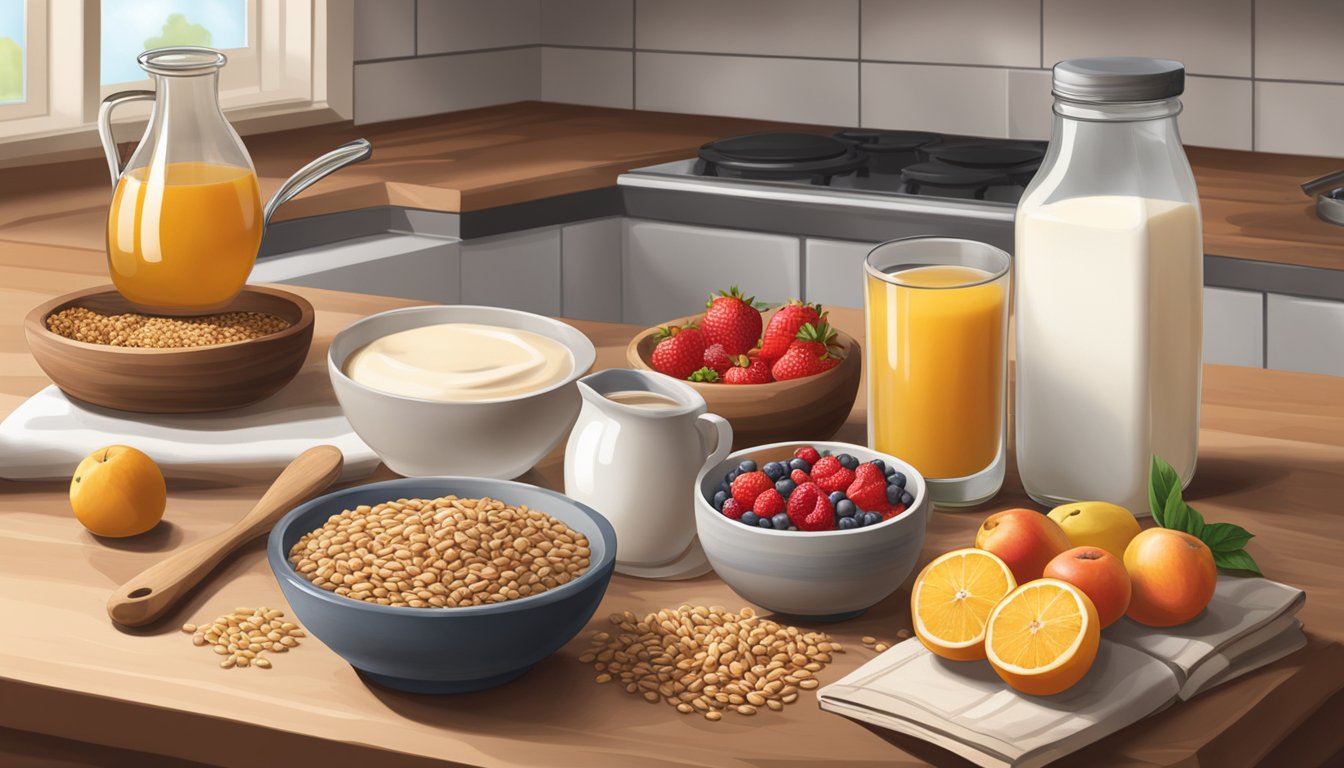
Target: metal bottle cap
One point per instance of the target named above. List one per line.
(1118, 79)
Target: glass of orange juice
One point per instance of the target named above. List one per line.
(936, 355)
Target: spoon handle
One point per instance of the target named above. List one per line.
(310, 174)
(159, 587)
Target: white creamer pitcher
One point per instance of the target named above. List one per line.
(640, 440)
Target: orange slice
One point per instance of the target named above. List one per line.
(952, 600)
(1043, 637)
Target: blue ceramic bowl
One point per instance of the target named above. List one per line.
(445, 650)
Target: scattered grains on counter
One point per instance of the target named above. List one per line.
(136, 330)
(881, 645)
(440, 553)
(242, 636)
(707, 660)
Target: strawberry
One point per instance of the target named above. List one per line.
(869, 489)
(717, 358)
(799, 477)
(830, 476)
(732, 510)
(807, 453)
(768, 504)
(784, 326)
(810, 509)
(749, 485)
(807, 355)
(680, 351)
(732, 320)
(704, 376)
(747, 371)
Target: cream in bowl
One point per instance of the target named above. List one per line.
(459, 390)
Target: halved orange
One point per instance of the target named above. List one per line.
(952, 600)
(1043, 637)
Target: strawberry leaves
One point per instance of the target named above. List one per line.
(1227, 541)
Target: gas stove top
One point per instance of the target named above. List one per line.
(862, 162)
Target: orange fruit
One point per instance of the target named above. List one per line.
(1043, 637)
(952, 599)
(118, 491)
(1173, 576)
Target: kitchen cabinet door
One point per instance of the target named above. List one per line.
(1305, 335)
(834, 270)
(520, 270)
(1234, 328)
(590, 270)
(671, 269)
(390, 264)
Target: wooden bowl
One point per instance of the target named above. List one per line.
(813, 408)
(187, 380)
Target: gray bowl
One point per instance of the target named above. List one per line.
(445, 650)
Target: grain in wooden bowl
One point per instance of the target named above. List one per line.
(808, 409)
(175, 379)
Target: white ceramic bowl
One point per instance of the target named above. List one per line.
(822, 575)
(499, 439)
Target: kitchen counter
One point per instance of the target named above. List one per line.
(1271, 452)
(497, 156)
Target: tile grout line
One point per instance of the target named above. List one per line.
(1253, 90)
(1040, 35)
(860, 65)
(634, 54)
(415, 28)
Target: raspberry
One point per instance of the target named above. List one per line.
(869, 489)
(799, 477)
(768, 504)
(749, 485)
(810, 509)
(830, 476)
(807, 453)
(732, 510)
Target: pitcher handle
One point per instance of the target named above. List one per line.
(350, 152)
(714, 425)
(105, 127)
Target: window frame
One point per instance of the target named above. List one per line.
(241, 74)
(35, 64)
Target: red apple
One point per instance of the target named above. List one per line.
(1024, 539)
(1100, 574)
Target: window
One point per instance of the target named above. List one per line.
(23, 70)
(132, 26)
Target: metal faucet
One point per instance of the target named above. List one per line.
(1329, 192)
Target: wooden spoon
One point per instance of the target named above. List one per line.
(151, 594)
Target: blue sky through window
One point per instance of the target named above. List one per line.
(129, 25)
(13, 41)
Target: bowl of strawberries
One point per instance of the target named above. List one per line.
(774, 374)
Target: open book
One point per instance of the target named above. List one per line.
(965, 708)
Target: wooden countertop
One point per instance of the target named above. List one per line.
(484, 158)
(1271, 453)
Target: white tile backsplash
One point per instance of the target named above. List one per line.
(1299, 118)
(1299, 40)
(951, 99)
(818, 28)
(390, 90)
(1212, 37)
(384, 30)
(447, 26)
(801, 90)
(1217, 112)
(595, 23)
(1234, 327)
(1004, 33)
(600, 78)
(1030, 104)
(1306, 335)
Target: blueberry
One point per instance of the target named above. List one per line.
(894, 495)
(847, 461)
(726, 488)
(732, 475)
(907, 499)
(764, 522)
(880, 464)
(800, 464)
(845, 508)
(749, 518)
(889, 471)
(785, 487)
(747, 466)
(774, 470)
(837, 497)
(897, 479)
(719, 498)
(871, 518)
(846, 523)
(781, 521)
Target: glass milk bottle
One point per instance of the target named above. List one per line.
(1109, 265)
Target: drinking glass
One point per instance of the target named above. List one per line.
(936, 355)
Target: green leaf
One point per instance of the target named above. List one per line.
(1180, 516)
(1225, 537)
(1236, 561)
(1161, 480)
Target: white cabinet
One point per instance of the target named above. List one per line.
(388, 264)
(590, 270)
(520, 270)
(834, 270)
(671, 269)
(1305, 334)
(1234, 328)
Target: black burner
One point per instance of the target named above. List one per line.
(941, 179)
(781, 156)
(890, 151)
(987, 154)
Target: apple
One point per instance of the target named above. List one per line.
(1024, 539)
(1100, 574)
(1173, 577)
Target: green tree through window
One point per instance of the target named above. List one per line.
(178, 31)
(11, 70)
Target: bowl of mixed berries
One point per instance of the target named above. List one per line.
(771, 372)
(817, 529)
